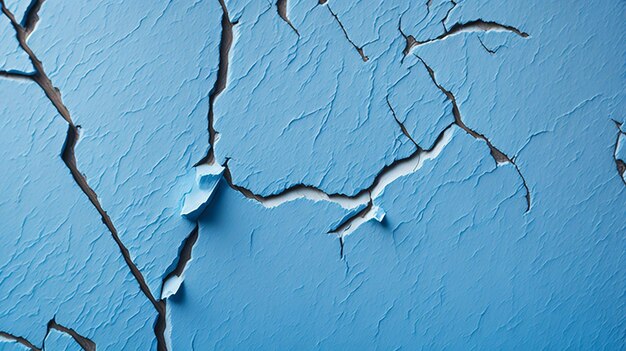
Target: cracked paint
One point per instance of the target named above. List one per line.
(227, 174)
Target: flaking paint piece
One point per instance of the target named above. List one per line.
(207, 177)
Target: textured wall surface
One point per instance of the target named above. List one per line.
(304, 174)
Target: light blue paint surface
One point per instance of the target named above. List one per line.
(453, 258)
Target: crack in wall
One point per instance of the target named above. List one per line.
(385, 176)
(19, 339)
(359, 49)
(499, 156)
(68, 155)
(226, 42)
(31, 17)
(184, 256)
(86, 343)
(445, 18)
(402, 127)
(490, 51)
(478, 25)
(11, 74)
(281, 6)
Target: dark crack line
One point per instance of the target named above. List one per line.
(68, 157)
(226, 42)
(498, 156)
(184, 256)
(31, 17)
(402, 127)
(20, 340)
(409, 39)
(490, 51)
(348, 222)
(445, 18)
(85, 343)
(359, 49)
(281, 6)
(16, 75)
(476, 25)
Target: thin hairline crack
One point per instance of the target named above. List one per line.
(498, 156)
(68, 155)
(359, 49)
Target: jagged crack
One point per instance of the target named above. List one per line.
(31, 17)
(499, 156)
(281, 6)
(86, 343)
(19, 339)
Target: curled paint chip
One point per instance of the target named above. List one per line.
(207, 178)
(378, 213)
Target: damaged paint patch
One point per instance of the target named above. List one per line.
(207, 178)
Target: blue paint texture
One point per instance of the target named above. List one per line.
(301, 174)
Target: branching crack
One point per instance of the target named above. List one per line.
(359, 49)
(491, 51)
(499, 156)
(445, 18)
(281, 6)
(68, 156)
(471, 26)
(85, 343)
